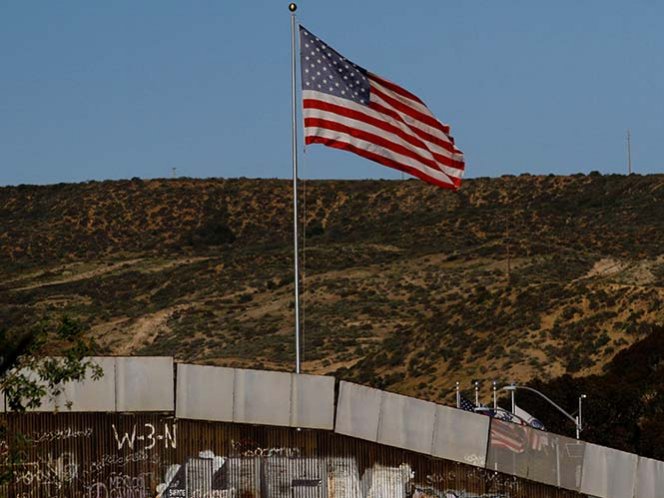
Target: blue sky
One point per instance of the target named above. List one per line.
(93, 90)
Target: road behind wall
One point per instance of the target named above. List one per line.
(91, 455)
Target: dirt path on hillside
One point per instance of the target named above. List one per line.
(147, 328)
(103, 270)
(81, 276)
(635, 273)
(139, 333)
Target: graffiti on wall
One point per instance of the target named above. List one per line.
(476, 475)
(135, 456)
(455, 494)
(208, 475)
(201, 477)
(59, 435)
(49, 472)
(118, 485)
(147, 436)
(250, 448)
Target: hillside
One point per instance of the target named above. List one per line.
(625, 403)
(405, 285)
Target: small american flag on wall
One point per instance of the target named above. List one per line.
(513, 437)
(349, 108)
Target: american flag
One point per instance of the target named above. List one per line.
(466, 404)
(347, 107)
(507, 435)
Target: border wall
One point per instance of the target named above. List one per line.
(145, 455)
(152, 428)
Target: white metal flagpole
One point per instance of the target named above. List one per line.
(292, 7)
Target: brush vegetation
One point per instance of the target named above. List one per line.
(405, 286)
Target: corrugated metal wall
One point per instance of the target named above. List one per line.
(147, 455)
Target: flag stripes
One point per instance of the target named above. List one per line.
(374, 114)
(381, 156)
(391, 137)
(507, 435)
(348, 108)
(405, 109)
(358, 126)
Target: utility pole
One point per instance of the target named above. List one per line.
(509, 256)
(629, 152)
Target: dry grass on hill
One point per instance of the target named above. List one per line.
(405, 285)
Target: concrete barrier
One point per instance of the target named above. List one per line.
(412, 424)
(90, 395)
(649, 478)
(460, 436)
(86, 395)
(608, 473)
(406, 422)
(312, 401)
(204, 392)
(144, 384)
(536, 455)
(47, 403)
(262, 397)
(358, 411)
(255, 397)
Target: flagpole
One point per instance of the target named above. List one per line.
(292, 7)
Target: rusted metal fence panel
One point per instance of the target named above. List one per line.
(83, 455)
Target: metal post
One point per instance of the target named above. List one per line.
(495, 395)
(558, 463)
(458, 395)
(477, 393)
(507, 246)
(578, 431)
(292, 8)
(579, 419)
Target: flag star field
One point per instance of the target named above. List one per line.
(325, 70)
